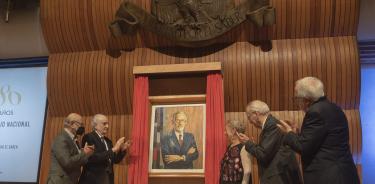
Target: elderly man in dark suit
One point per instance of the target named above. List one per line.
(179, 148)
(324, 138)
(277, 163)
(99, 168)
(66, 156)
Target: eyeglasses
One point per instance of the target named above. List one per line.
(248, 114)
(76, 122)
(180, 121)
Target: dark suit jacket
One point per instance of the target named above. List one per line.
(324, 145)
(66, 161)
(99, 168)
(277, 163)
(170, 146)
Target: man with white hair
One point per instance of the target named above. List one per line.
(66, 156)
(99, 168)
(324, 138)
(277, 163)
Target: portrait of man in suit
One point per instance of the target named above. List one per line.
(179, 148)
(177, 139)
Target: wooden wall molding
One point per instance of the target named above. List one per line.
(92, 82)
(177, 68)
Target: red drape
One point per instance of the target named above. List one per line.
(138, 166)
(215, 126)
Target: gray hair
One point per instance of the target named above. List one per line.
(95, 119)
(258, 106)
(310, 88)
(69, 118)
(239, 126)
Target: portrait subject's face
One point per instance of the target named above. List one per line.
(180, 122)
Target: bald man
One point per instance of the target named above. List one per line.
(99, 168)
(66, 156)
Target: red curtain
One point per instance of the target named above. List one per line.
(138, 166)
(215, 126)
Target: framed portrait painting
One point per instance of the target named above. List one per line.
(177, 139)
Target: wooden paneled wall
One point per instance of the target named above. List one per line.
(310, 37)
(92, 82)
(71, 25)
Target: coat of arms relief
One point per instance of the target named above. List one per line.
(191, 22)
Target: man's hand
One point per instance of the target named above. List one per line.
(285, 126)
(244, 138)
(173, 158)
(88, 150)
(126, 145)
(191, 151)
(118, 144)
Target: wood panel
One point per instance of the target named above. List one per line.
(71, 26)
(92, 82)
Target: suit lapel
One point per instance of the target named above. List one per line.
(99, 140)
(185, 143)
(70, 141)
(265, 127)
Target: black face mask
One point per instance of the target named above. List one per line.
(80, 130)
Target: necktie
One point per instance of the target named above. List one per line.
(77, 144)
(105, 143)
(106, 148)
(180, 141)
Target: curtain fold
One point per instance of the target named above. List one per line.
(138, 160)
(215, 126)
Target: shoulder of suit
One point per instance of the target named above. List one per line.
(91, 134)
(189, 134)
(63, 135)
(271, 122)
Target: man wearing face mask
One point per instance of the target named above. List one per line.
(324, 138)
(99, 168)
(277, 163)
(66, 156)
(179, 148)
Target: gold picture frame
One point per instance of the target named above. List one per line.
(163, 137)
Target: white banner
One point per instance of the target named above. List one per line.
(23, 96)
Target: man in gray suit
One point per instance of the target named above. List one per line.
(66, 156)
